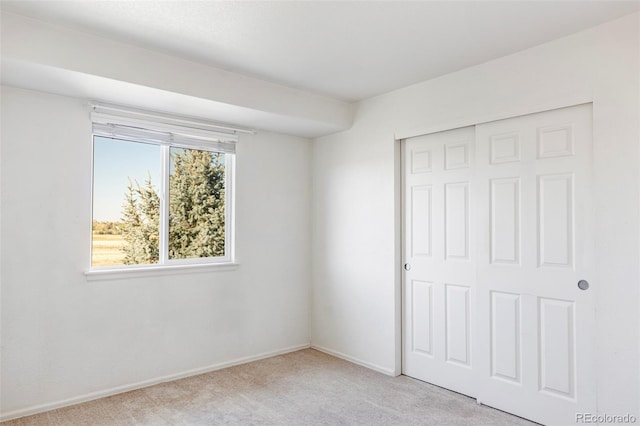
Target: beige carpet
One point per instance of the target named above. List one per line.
(301, 388)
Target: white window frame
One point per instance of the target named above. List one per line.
(169, 132)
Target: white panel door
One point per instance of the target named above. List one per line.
(439, 285)
(534, 221)
(497, 226)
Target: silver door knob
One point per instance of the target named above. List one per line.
(583, 284)
(407, 267)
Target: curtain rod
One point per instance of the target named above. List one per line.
(185, 121)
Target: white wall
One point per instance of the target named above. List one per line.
(355, 290)
(65, 338)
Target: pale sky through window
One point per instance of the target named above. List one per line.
(114, 162)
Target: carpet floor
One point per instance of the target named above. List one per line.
(306, 387)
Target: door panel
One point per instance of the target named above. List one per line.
(505, 337)
(497, 232)
(537, 246)
(457, 336)
(439, 287)
(421, 300)
(505, 220)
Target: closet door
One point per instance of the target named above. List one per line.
(439, 269)
(535, 304)
(498, 254)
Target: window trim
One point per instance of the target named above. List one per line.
(143, 271)
(168, 135)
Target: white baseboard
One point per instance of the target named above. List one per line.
(139, 385)
(387, 371)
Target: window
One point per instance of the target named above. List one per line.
(162, 192)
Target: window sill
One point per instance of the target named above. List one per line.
(156, 271)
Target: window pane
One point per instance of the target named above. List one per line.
(196, 204)
(126, 205)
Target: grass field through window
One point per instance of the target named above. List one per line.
(107, 250)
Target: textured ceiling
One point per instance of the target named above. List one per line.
(345, 50)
